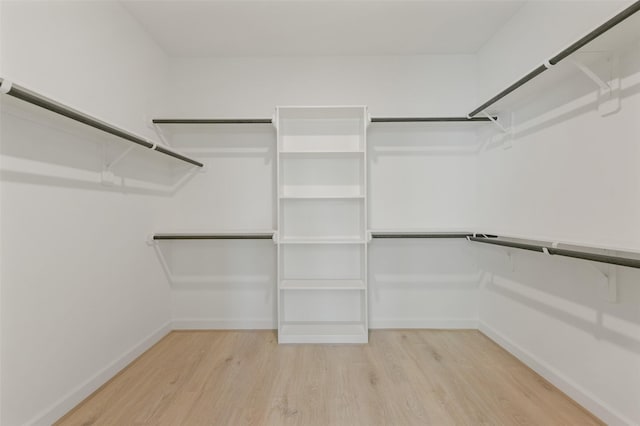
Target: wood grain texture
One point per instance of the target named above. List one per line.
(402, 377)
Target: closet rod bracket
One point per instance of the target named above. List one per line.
(507, 132)
(608, 91)
(158, 131)
(107, 176)
(610, 275)
(612, 284)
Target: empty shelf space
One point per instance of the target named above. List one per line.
(323, 332)
(322, 285)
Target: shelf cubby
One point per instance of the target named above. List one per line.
(323, 218)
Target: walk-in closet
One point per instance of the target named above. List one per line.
(319, 212)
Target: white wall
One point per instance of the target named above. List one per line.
(570, 175)
(388, 85)
(222, 284)
(82, 293)
(420, 177)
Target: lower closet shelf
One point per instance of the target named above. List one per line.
(323, 332)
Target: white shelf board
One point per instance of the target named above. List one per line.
(321, 241)
(323, 332)
(563, 243)
(322, 285)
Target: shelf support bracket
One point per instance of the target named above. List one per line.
(119, 158)
(610, 275)
(608, 92)
(612, 284)
(107, 176)
(159, 132)
(603, 85)
(507, 132)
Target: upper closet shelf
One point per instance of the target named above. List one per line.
(430, 119)
(613, 35)
(266, 235)
(270, 121)
(34, 98)
(628, 259)
(419, 234)
(212, 121)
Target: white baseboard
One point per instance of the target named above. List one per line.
(428, 323)
(77, 395)
(589, 401)
(267, 324)
(224, 324)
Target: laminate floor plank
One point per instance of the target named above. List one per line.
(402, 377)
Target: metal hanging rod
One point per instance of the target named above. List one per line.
(620, 17)
(212, 121)
(58, 108)
(269, 121)
(421, 234)
(427, 119)
(533, 74)
(220, 236)
(576, 254)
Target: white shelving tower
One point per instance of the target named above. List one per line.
(322, 224)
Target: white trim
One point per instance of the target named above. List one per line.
(223, 324)
(580, 395)
(269, 324)
(426, 323)
(77, 395)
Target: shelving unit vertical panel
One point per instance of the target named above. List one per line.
(365, 220)
(279, 312)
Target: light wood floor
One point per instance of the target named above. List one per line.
(402, 377)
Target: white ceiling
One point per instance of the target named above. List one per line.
(320, 27)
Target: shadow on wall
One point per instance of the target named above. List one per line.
(423, 264)
(573, 96)
(423, 139)
(224, 281)
(223, 140)
(42, 148)
(569, 290)
(199, 264)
